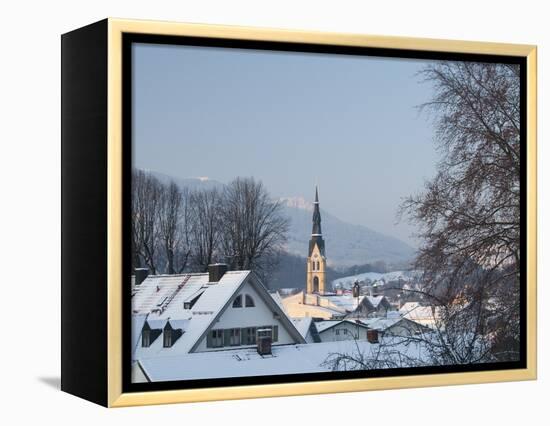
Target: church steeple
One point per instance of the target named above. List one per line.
(316, 215)
(316, 261)
(316, 233)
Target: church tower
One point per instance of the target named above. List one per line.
(316, 260)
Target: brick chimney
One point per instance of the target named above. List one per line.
(264, 339)
(216, 272)
(372, 335)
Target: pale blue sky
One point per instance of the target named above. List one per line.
(291, 120)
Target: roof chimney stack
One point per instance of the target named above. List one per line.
(372, 335)
(141, 275)
(264, 339)
(216, 272)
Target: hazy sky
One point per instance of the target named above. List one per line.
(291, 120)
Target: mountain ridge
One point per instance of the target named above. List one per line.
(347, 244)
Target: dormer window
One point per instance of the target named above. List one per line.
(167, 338)
(146, 338)
(170, 335)
(248, 301)
(188, 304)
(238, 302)
(149, 335)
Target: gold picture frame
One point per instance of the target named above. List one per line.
(115, 397)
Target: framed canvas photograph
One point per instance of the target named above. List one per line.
(255, 212)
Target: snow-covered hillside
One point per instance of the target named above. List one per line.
(201, 182)
(347, 282)
(347, 244)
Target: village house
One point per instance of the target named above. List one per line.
(338, 330)
(395, 325)
(220, 310)
(227, 324)
(425, 315)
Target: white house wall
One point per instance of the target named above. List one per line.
(336, 333)
(259, 315)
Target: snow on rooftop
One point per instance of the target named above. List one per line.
(156, 291)
(278, 300)
(380, 324)
(288, 359)
(302, 325)
(345, 301)
(137, 326)
(375, 300)
(170, 292)
(323, 325)
(426, 315)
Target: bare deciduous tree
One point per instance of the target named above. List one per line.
(470, 211)
(469, 216)
(206, 226)
(254, 228)
(173, 224)
(176, 230)
(146, 193)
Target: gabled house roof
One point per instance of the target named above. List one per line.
(302, 325)
(161, 298)
(326, 325)
(382, 324)
(286, 359)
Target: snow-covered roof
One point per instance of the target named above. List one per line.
(157, 290)
(181, 324)
(137, 326)
(380, 324)
(285, 359)
(162, 298)
(302, 325)
(278, 299)
(415, 311)
(325, 325)
(160, 293)
(345, 301)
(375, 300)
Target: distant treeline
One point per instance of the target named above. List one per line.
(177, 230)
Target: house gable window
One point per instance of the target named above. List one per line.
(238, 302)
(248, 336)
(215, 339)
(249, 301)
(232, 337)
